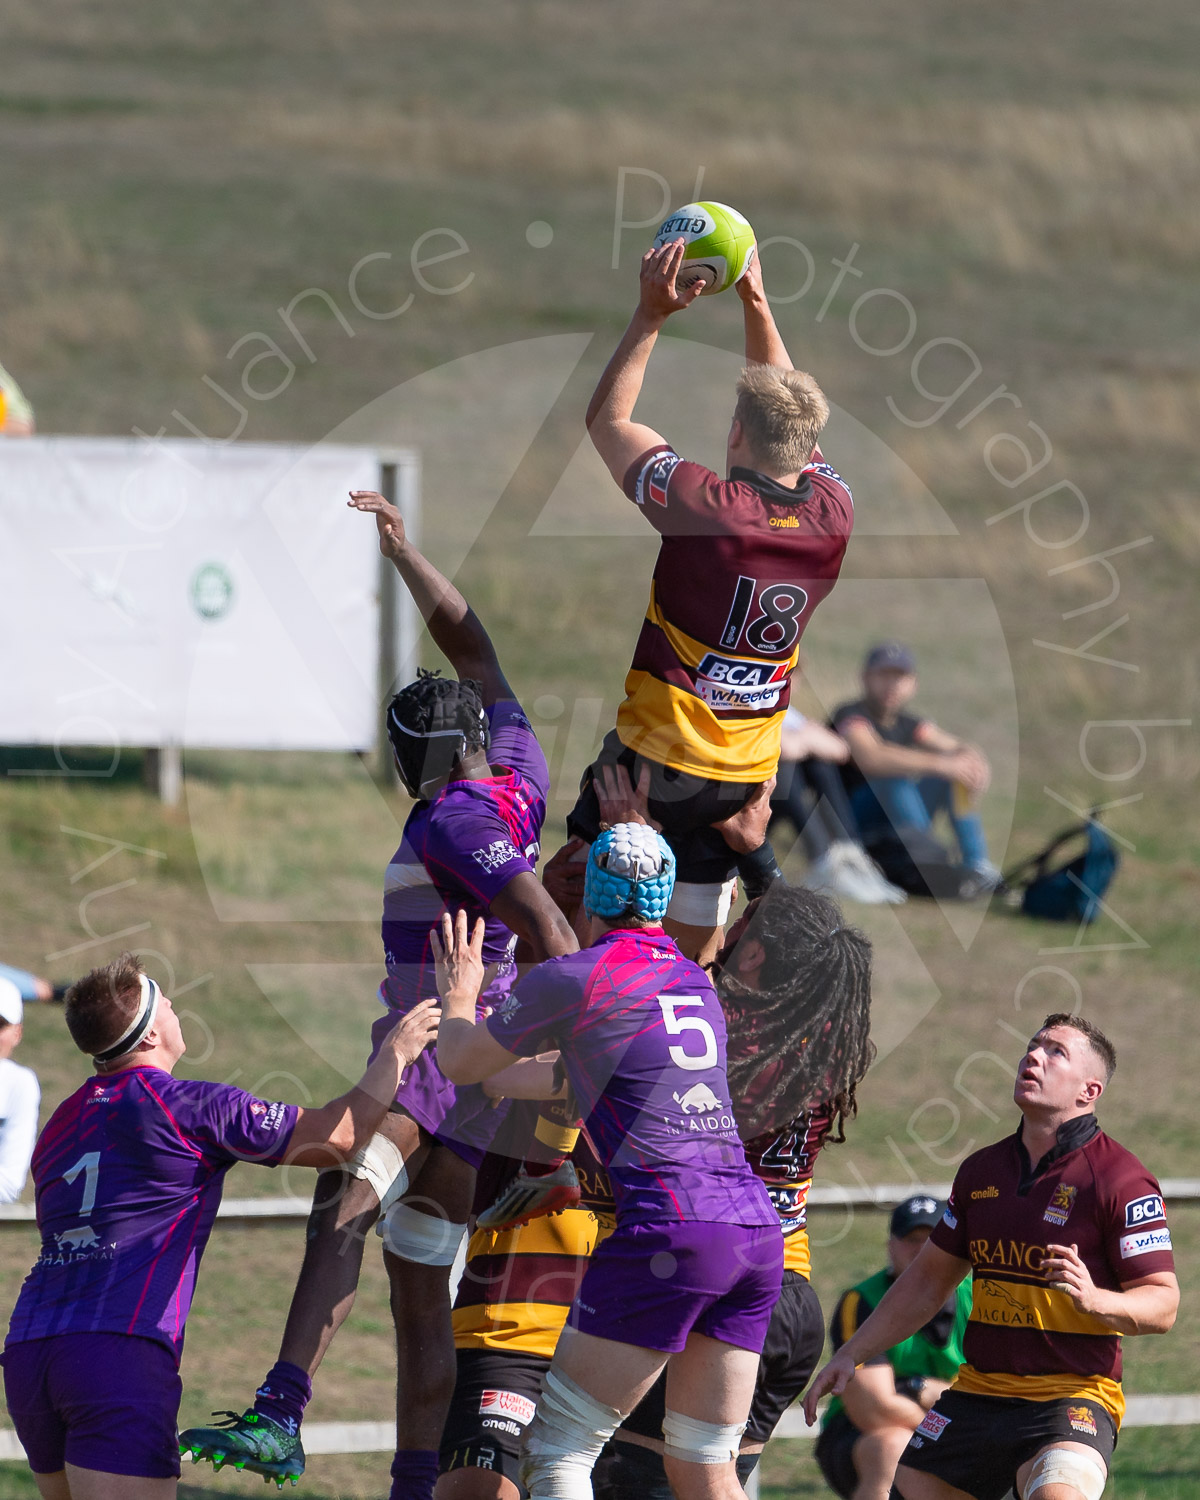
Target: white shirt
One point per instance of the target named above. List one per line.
(19, 1100)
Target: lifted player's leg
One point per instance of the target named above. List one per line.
(266, 1438)
(422, 1235)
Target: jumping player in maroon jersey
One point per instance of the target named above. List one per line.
(1065, 1235)
(129, 1172)
(743, 563)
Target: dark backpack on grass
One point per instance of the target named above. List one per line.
(1071, 891)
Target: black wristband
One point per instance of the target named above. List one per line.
(758, 870)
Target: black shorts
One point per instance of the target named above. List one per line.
(685, 806)
(494, 1396)
(977, 1443)
(795, 1337)
(834, 1453)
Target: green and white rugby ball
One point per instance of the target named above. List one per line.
(719, 245)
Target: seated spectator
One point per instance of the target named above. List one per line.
(19, 1099)
(16, 414)
(903, 770)
(866, 1429)
(809, 792)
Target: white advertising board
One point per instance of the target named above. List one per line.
(183, 593)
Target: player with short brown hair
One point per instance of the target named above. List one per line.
(744, 560)
(1065, 1234)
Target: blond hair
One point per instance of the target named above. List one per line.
(782, 413)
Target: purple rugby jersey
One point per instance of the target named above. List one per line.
(461, 850)
(642, 1038)
(129, 1172)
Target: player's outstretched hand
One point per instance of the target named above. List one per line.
(620, 801)
(659, 296)
(1064, 1269)
(459, 959)
(388, 520)
(831, 1381)
(414, 1032)
(746, 831)
(750, 283)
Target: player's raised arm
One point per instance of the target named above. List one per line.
(455, 627)
(764, 346)
(467, 1053)
(617, 437)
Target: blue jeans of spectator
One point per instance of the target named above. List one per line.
(25, 982)
(898, 803)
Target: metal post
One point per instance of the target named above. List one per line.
(162, 771)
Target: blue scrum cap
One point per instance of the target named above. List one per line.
(629, 868)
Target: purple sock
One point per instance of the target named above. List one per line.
(283, 1395)
(414, 1474)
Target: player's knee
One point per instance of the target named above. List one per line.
(421, 1238)
(562, 1443)
(380, 1165)
(1066, 1474)
(689, 1440)
(879, 1450)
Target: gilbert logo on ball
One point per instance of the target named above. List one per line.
(720, 245)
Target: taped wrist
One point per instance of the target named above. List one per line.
(758, 869)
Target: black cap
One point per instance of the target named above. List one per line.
(919, 1212)
(890, 654)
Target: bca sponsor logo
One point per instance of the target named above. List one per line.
(1144, 1243)
(1143, 1211)
(497, 854)
(733, 682)
(507, 1404)
(933, 1426)
(652, 482)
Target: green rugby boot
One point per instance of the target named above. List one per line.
(251, 1442)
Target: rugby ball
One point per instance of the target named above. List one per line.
(719, 245)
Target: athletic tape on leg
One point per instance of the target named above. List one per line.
(420, 1237)
(701, 905)
(563, 1442)
(1084, 1472)
(381, 1164)
(699, 1442)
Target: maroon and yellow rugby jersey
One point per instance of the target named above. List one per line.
(783, 1162)
(743, 563)
(518, 1284)
(1025, 1337)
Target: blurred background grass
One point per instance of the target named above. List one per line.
(1025, 177)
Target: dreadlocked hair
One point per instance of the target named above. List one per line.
(417, 706)
(799, 1034)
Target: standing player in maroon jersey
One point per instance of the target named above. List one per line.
(1065, 1233)
(743, 563)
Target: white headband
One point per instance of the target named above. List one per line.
(138, 1027)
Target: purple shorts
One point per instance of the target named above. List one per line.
(102, 1401)
(653, 1284)
(459, 1117)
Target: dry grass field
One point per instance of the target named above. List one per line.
(1010, 195)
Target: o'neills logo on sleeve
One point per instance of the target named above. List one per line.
(987, 1192)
